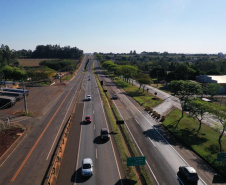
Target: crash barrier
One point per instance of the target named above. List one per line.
(55, 163)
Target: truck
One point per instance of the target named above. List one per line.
(6, 101)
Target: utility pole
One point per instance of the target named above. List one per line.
(25, 102)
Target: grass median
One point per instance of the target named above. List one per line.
(113, 116)
(144, 98)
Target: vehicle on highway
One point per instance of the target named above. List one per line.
(104, 134)
(189, 173)
(15, 90)
(87, 167)
(88, 98)
(7, 101)
(88, 119)
(115, 96)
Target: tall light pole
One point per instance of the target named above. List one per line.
(25, 102)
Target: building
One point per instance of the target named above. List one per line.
(219, 79)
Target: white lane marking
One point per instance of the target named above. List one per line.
(110, 136)
(13, 150)
(151, 141)
(79, 146)
(93, 112)
(159, 134)
(137, 121)
(138, 146)
(60, 126)
(94, 127)
(96, 153)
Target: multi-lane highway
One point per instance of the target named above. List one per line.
(28, 162)
(163, 154)
(106, 167)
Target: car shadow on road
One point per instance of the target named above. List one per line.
(98, 140)
(125, 182)
(77, 177)
(183, 181)
(84, 123)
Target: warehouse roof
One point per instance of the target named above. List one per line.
(221, 79)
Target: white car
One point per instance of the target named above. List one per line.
(87, 167)
(88, 97)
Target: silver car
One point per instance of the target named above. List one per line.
(87, 167)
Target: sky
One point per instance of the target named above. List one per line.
(118, 26)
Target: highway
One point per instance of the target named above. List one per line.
(28, 162)
(106, 168)
(163, 153)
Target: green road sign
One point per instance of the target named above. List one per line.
(221, 157)
(136, 161)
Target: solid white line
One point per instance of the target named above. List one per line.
(79, 146)
(137, 145)
(151, 141)
(159, 134)
(13, 150)
(60, 127)
(110, 136)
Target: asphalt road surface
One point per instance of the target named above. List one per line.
(163, 153)
(28, 162)
(106, 168)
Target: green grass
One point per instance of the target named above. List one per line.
(143, 98)
(129, 171)
(130, 144)
(204, 143)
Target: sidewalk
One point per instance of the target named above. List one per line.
(170, 102)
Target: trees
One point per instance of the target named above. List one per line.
(143, 80)
(129, 72)
(13, 73)
(55, 51)
(212, 89)
(197, 109)
(185, 91)
(7, 56)
(158, 72)
(220, 113)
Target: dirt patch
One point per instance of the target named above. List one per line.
(39, 100)
(8, 137)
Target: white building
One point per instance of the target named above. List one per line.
(219, 79)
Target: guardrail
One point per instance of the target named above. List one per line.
(55, 163)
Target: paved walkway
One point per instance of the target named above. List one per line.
(170, 102)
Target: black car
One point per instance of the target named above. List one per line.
(189, 173)
(104, 134)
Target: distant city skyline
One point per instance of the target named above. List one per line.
(175, 26)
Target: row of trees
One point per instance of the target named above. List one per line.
(187, 92)
(52, 51)
(128, 72)
(171, 66)
(11, 70)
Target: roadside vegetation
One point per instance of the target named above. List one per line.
(114, 116)
(41, 70)
(203, 142)
(202, 139)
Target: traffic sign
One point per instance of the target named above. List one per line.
(136, 161)
(221, 157)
